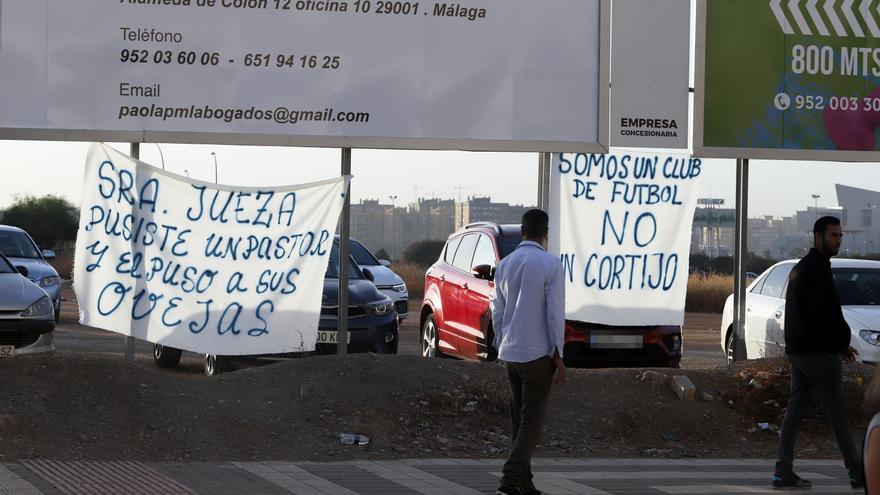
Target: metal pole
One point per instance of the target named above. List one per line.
(741, 250)
(393, 199)
(547, 162)
(540, 179)
(161, 155)
(215, 167)
(344, 234)
(128, 342)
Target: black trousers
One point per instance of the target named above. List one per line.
(530, 385)
(821, 373)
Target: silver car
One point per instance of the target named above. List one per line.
(388, 282)
(22, 251)
(26, 314)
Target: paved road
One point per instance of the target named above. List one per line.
(702, 348)
(407, 477)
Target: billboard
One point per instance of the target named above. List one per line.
(508, 75)
(787, 80)
(650, 54)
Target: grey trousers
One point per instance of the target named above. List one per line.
(530, 385)
(822, 373)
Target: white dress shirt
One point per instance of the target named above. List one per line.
(528, 305)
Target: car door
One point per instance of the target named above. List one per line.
(473, 342)
(455, 301)
(765, 311)
(437, 277)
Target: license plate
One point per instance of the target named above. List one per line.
(7, 351)
(329, 337)
(616, 341)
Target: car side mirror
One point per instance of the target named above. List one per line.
(484, 272)
(48, 254)
(385, 263)
(369, 275)
(22, 270)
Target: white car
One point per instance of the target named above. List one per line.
(858, 286)
(388, 282)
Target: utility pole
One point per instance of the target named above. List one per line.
(161, 155)
(393, 198)
(461, 208)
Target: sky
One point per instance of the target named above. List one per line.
(777, 188)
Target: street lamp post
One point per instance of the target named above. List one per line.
(161, 155)
(393, 198)
(215, 167)
(816, 204)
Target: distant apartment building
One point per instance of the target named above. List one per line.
(859, 212)
(713, 229)
(392, 229)
(482, 209)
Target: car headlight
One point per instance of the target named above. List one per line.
(39, 308)
(399, 288)
(870, 336)
(50, 281)
(381, 308)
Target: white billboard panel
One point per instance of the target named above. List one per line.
(493, 74)
(650, 59)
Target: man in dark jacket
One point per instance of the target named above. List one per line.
(816, 340)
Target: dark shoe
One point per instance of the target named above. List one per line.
(790, 482)
(508, 490)
(857, 478)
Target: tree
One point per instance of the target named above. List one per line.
(49, 219)
(382, 254)
(423, 253)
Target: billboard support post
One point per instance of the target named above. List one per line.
(741, 248)
(344, 235)
(128, 343)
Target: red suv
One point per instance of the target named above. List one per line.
(456, 321)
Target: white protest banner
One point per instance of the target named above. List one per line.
(207, 268)
(621, 223)
(508, 75)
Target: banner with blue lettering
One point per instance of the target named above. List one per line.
(208, 268)
(621, 224)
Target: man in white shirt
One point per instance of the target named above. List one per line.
(528, 317)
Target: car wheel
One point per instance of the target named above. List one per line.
(730, 347)
(166, 357)
(214, 364)
(57, 312)
(430, 338)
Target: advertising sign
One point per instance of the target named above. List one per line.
(510, 75)
(788, 80)
(650, 54)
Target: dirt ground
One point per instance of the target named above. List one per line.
(79, 403)
(78, 406)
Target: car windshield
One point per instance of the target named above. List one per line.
(362, 256)
(17, 245)
(5, 265)
(858, 286)
(333, 266)
(508, 244)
